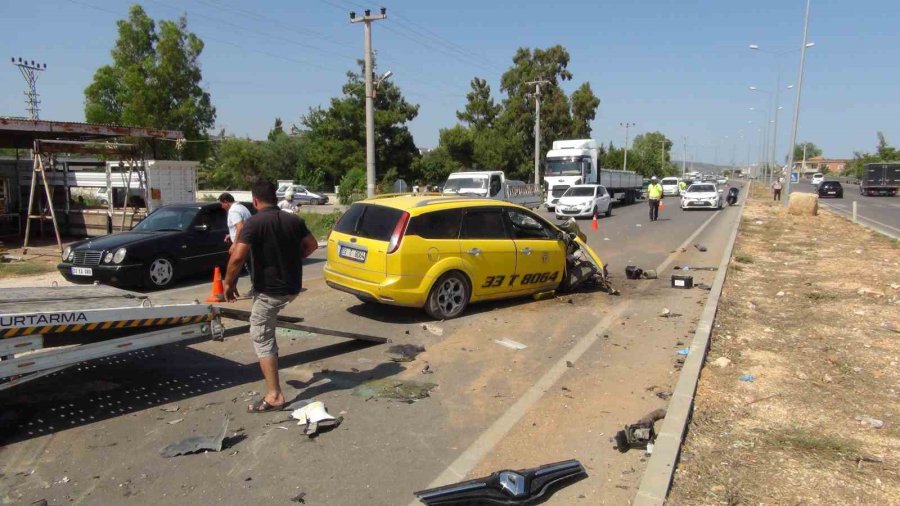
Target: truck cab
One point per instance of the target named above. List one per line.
(569, 163)
(492, 185)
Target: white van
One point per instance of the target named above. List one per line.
(817, 178)
(670, 186)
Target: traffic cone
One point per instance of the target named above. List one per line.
(594, 225)
(218, 289)
(661, 205)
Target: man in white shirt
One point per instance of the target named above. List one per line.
(237, 215)
(287, 203)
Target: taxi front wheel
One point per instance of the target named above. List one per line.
(448, 297)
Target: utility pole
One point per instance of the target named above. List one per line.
(683, 156)
(29, 69)
(367, 20)
(662, 158)
(787, 183)
(627, 126)
(537, 129)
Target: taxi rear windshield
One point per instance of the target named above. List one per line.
(369, 221)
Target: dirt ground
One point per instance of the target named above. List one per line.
(807, 409)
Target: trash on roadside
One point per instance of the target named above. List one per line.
(665, 313)
(523, 486)
(296, 404)
(427, 369)
(405, 352)
(680, 281)
(434, 329)
(170, 408)
(633, 272)
(314, 418)
(747, 378)
(703, 286)
(403, 390)
(64, 479)
(700, 247)
(177, 420)
(664, 395)
(509, 343)
(569, 363)
(689, 268)
(195, 444)
(640, 434)
(868, 421)
(299, 498)
(683, 352)
(650, 274)
(722, 362)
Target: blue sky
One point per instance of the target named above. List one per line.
(679, 67)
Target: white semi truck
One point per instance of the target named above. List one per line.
(493, 185)
(572, 162)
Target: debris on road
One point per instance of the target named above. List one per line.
(665, 313)
(403, 390)
(569, 363)
(427, 369)
(703, 286)
(701, 248)
(314, 418)
(682, 281)
(747, 378)
(664, 395)
(633, 272)
(689, 268)
(639, 435)
(434, 329)
(296, 404)
(650, 274)
(722, 362)
(63, 480)
(299, 498)
(177, 420)
(868, 421)
(528, 486)
(509, 343)
(683, 352)
(195, 444)
(405, 352)
(170, 408)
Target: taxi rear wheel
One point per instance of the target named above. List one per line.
(448, 297)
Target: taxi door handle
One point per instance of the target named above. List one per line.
(474, 252)
(526, 251)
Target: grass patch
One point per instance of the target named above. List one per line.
(806, 440)
(25, 268)
(820, 297)
(320, 224)
(743, 258)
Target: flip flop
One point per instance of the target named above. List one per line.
(263, 406)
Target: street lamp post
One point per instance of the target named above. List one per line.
(787, 185)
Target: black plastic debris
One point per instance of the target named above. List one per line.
(299, 498)
(700, 247)
(196, 444)
(640, 434)
(404, 352)
(633, 272)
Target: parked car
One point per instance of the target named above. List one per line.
(583, 201)
(174, 241)
(702, 195)
(817, 178)
(670, 186)
(302, 195)
(831, 189)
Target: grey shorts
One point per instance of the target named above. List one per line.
(263, 316)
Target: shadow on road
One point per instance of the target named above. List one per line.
(120, 385)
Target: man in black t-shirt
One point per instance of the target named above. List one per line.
(279, 242)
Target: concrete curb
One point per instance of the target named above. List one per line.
(660, 470)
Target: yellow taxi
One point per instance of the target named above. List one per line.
(441, 253)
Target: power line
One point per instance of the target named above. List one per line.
(29, 72)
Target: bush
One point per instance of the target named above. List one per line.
(352, 187)
(312, 179)
(320, 224)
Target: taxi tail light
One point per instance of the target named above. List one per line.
(397, 235)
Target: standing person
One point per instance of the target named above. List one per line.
(287, 203)
(776, 189)
(237, 216)
(278, 242)
(654, 196)
(682, 187)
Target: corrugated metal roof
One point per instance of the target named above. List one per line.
(21, 132)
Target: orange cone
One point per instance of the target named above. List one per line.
(661, 205)
(218, 289)
(594, 225)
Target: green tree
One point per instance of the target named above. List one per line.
(481, 111)
(812, 151)
(434, 166)
(884, 152)
(277, 130)
(459, 142)
(154, 81)
(584, 110)
(650, 155)
(337, 134)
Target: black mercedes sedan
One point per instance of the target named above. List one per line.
(172, 242)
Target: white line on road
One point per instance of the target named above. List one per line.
(470, 458)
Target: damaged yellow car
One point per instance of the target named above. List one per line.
(443, 253)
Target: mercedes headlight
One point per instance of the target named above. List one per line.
(119, 256)
(108, 257)
(67, 253)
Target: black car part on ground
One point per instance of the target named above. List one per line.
(524, 486)
(732, 197)
(639, 435)
(581, 271)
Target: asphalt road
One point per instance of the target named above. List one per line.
(100, 425)
(880, 213)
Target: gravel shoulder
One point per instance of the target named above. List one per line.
(798, 402)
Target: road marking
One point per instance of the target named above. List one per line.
(468, 459)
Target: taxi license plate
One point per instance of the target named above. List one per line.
(82, 271)
(354, 254)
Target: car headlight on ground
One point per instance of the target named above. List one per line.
(67, 253)
(119, 256)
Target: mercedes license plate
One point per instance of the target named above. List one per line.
(82, 271)
(832, 193)
(354, 254)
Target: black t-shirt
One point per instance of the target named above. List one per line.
(275, 239)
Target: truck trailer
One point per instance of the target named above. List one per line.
(880, 179)
(572, 162)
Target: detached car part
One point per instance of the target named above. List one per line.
(525, 486)
(583, 265)
(640, 434)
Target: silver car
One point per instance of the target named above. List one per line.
(302, 195)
